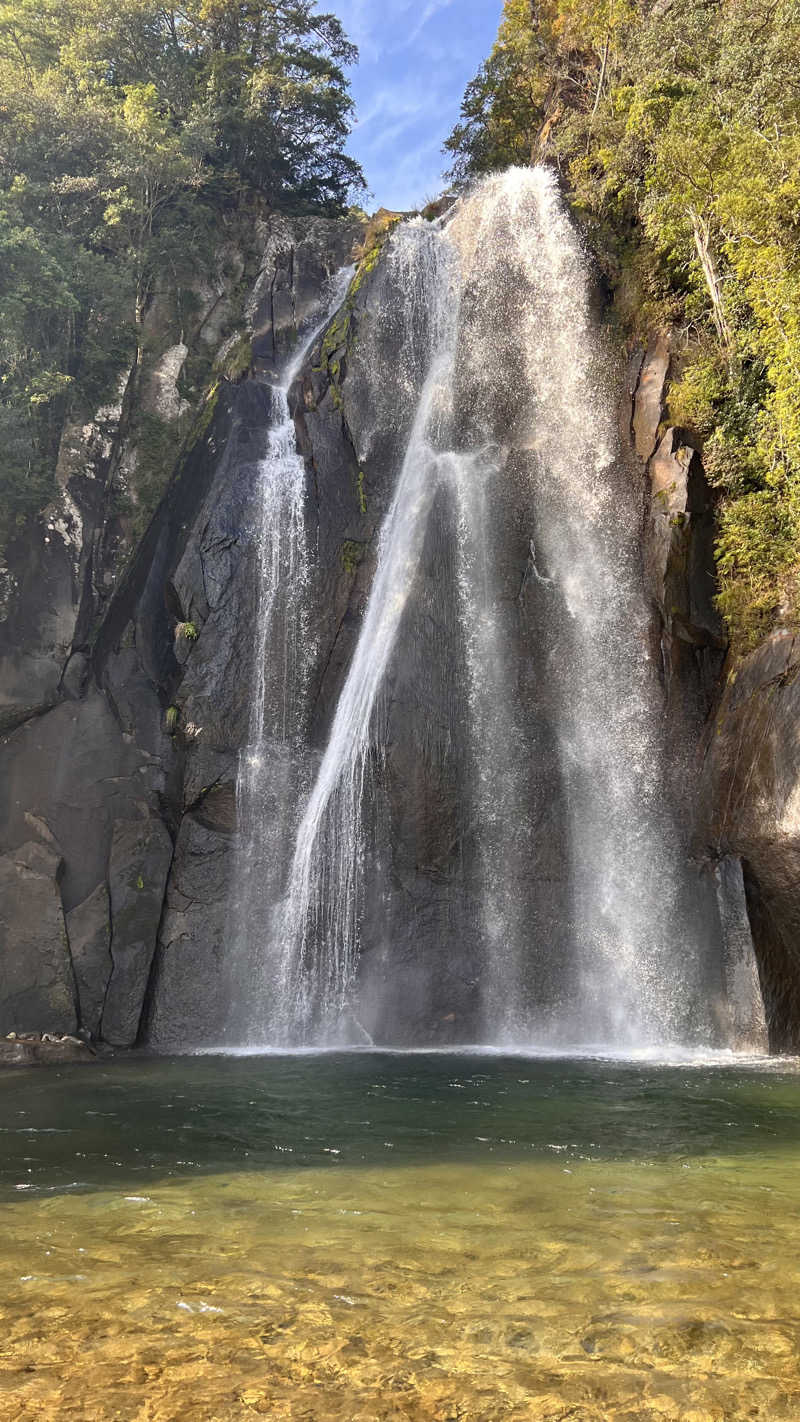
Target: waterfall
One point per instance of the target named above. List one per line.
(510, 405)
(323, 901)
(268, 779)
(499, 752)
(636, 969)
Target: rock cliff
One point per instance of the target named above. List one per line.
(120, 686)
(750, 808)
(125, 664)
(689, 641)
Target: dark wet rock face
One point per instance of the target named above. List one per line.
(190, 983)
(141, 853)
(78, 771)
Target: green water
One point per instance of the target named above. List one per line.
(425, 1237)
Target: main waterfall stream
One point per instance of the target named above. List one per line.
(509, 400)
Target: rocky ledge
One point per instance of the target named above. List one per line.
(43, 1049)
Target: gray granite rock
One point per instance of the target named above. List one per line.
(750, 808)
(744, 997)
(37, 987)
(649, 394)
(89, 933)
(90, 748)
(191, 978)
(141, 853)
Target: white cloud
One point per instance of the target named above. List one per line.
(432, 8)
(382, 28)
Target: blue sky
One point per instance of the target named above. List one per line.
(417, 57)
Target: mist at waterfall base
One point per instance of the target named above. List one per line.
(503, 389)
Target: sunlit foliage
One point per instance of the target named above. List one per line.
(127, 132)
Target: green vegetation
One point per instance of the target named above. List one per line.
(338, 338)
(204, 417)
(362, 495)
(157, 444)
(129, 132)
(676, 126)
(377, 231)
(187, 630)
(238, 359)
(351, 554)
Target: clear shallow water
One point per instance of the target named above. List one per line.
(373, 1236)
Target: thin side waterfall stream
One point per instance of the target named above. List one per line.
(508, 397)
(269, 775)
(323, 898)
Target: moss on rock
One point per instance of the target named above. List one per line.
(351, 554)
(339, 336)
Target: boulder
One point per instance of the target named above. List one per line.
(37, 987)
(46, 1049)
(750, 808)
(196, 942)
(89, 932)
(648, 394)
(748, 1023)
(141, 852)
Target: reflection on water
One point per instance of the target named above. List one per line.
(427, 1238)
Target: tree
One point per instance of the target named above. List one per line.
(127, 130)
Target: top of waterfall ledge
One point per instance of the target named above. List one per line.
(380, 223)
(377, 229)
